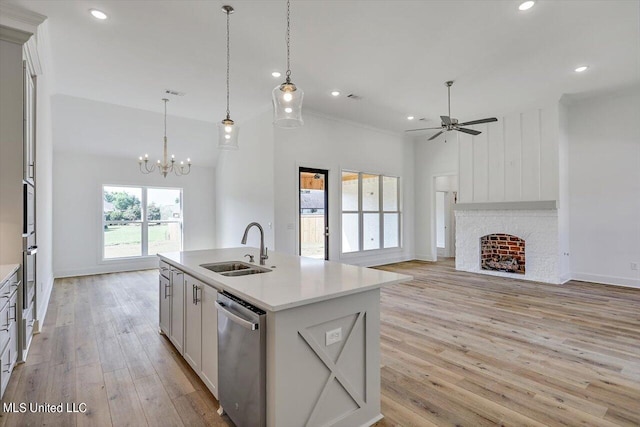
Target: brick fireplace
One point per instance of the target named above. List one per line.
(502, 252)
(509, 230)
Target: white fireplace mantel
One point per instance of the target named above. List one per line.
(508, 206)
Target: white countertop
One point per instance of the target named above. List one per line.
(294, 281)
(6, 270)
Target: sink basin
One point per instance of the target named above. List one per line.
(220, 267)
(245, 272)
(234, 268)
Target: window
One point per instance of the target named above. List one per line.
(370, 212)
(140, 221)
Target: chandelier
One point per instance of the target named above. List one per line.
(165, 166)
(287, 98)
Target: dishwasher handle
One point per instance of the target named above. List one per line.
(235, 318)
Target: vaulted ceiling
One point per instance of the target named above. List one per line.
(395, 55)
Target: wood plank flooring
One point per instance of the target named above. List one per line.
(457, 349)
(476, 350)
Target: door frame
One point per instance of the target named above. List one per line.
(325, 172)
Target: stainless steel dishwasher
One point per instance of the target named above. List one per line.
(241, 361)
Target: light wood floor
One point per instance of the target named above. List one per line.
(476, 350)
(457, 349)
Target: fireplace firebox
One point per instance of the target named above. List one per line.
(502, 252)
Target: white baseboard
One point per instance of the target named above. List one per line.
(564, 278)
(607, 280)
(425, 257)
(107, 268)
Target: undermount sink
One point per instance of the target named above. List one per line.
(234, 268)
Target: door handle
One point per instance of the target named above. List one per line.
(235, 318)
(165, 290)
(196, 300)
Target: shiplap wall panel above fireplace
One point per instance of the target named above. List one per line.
(513, 159)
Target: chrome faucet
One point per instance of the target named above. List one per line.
(263, 250)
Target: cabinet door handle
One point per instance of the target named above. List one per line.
(165, 291)
(8, 371)
(15, 312)
(196, 300)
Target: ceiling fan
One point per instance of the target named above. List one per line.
(452, 124)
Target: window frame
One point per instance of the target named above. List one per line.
(381, 213)
(143, 221)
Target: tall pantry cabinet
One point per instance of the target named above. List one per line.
(17, 190)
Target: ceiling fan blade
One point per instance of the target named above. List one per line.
(477, 122)
(446, 120)
(435, 136)
(469, 131)
(413, 130)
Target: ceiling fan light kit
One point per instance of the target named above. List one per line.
(287, 97)
(227, 129)
(449, 123)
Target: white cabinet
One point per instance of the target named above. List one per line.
(177, 309)
(193, 322)
(201, 331)
(189, 318)
(164, 291)
(209, 368)
(8, 328)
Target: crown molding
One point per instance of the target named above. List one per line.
(19, 18)
(13, 35)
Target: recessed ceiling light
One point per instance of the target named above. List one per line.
(276, 74)
(526, 5)
(98, 14)
(581, 68)
(335, 93)
(410, 117)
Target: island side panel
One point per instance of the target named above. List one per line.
(310, 383)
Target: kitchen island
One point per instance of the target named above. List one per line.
(322, 330)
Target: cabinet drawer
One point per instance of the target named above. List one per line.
(4, 325)
(6, 366)
(7, 287)
(165, 269)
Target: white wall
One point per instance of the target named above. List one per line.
(244, 185)
(335, 145)
(432, 159)
(77, 210)
(604, 185)
(259, 182)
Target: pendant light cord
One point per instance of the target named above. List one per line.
(228, 60)
(288, 40)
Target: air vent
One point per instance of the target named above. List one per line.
(354, 97)
(174, 92)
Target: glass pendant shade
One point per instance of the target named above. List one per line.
(287, 105)
(228, 135)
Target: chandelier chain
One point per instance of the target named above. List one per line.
(165, 116)
(288, 39)
(228, 60)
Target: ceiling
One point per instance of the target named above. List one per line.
(396, 55)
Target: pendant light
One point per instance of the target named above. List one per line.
(227, 129)
(165, 166)
(287, 98)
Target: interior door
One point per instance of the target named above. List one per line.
(313, 213)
